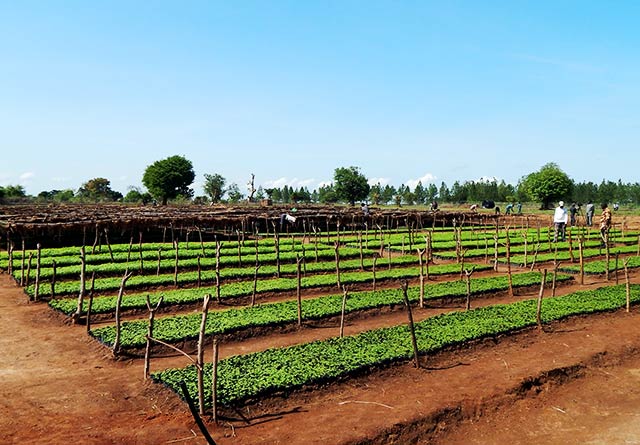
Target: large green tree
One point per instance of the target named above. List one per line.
(350, 185)
(547, 185)
(167, 178)
(214, 186)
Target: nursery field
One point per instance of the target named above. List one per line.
(302, 334)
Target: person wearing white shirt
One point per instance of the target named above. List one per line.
(560, 218)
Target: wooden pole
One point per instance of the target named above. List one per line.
(298, 290)
(467, 274)
(556, 264)
(36, 291)
(175, 268)
(343, 310)
(627, 284)
(412, 329)
(147, 349)
(159, 260)
(106, 240)
(421, 253)
(28, 278)
(508, 257)
(140, 250)
(90, 305)
(581, 258)
(255, 283)
(199, 282)
(200, 356)
(116, 342)
(214, 380)
(53, 279)
(83, 267)
(616, 267)
(373, 270)
(540, 294)
(24, 256)
(218, 247)
(336, 248)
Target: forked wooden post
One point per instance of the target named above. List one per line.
(116, 342)
(106, 240)
(540, 294)
(147, 349)
(412, 329)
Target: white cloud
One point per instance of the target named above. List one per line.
(324, 183)
(26, 176)
(381, 181)
(426, 179)
(293, 182)
(61, 179)
(488, 179)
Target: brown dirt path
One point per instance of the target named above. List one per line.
(58, 387)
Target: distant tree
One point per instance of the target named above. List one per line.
(14, 191)
(443, 192)
(136, 195)
(214, 187)
(350, 185)
(167, 178)
(327, 194)
(547, 185)
(234, 194)
(260, 193)
(98, 189)
(56, 195)
(432, 193)
(420, 193)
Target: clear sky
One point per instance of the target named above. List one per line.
(290, 90)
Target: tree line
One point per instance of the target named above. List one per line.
(170, 179)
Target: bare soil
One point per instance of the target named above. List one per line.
(575, 382)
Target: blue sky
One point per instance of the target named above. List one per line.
(290, 90)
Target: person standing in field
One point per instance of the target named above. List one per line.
(560, 218)
(605, 224)
(590, 210)
(573, 210)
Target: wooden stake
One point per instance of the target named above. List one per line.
(81, 293)
(147, 349)
(627, 284)
(218, 247)
(214, 381)
(581, 258)
(24, 256)
(298, 290)
(373, 270)
(159, 260)
(36, 291)
(255, 283)
(336, 248)
(90, 305)
(199, 282)
(467, 274)
(26, 282)
(412, 329)
(200, 354)
(53, 279)
(421, 253)
(343, 310)
(540, 294)
(116, 342)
